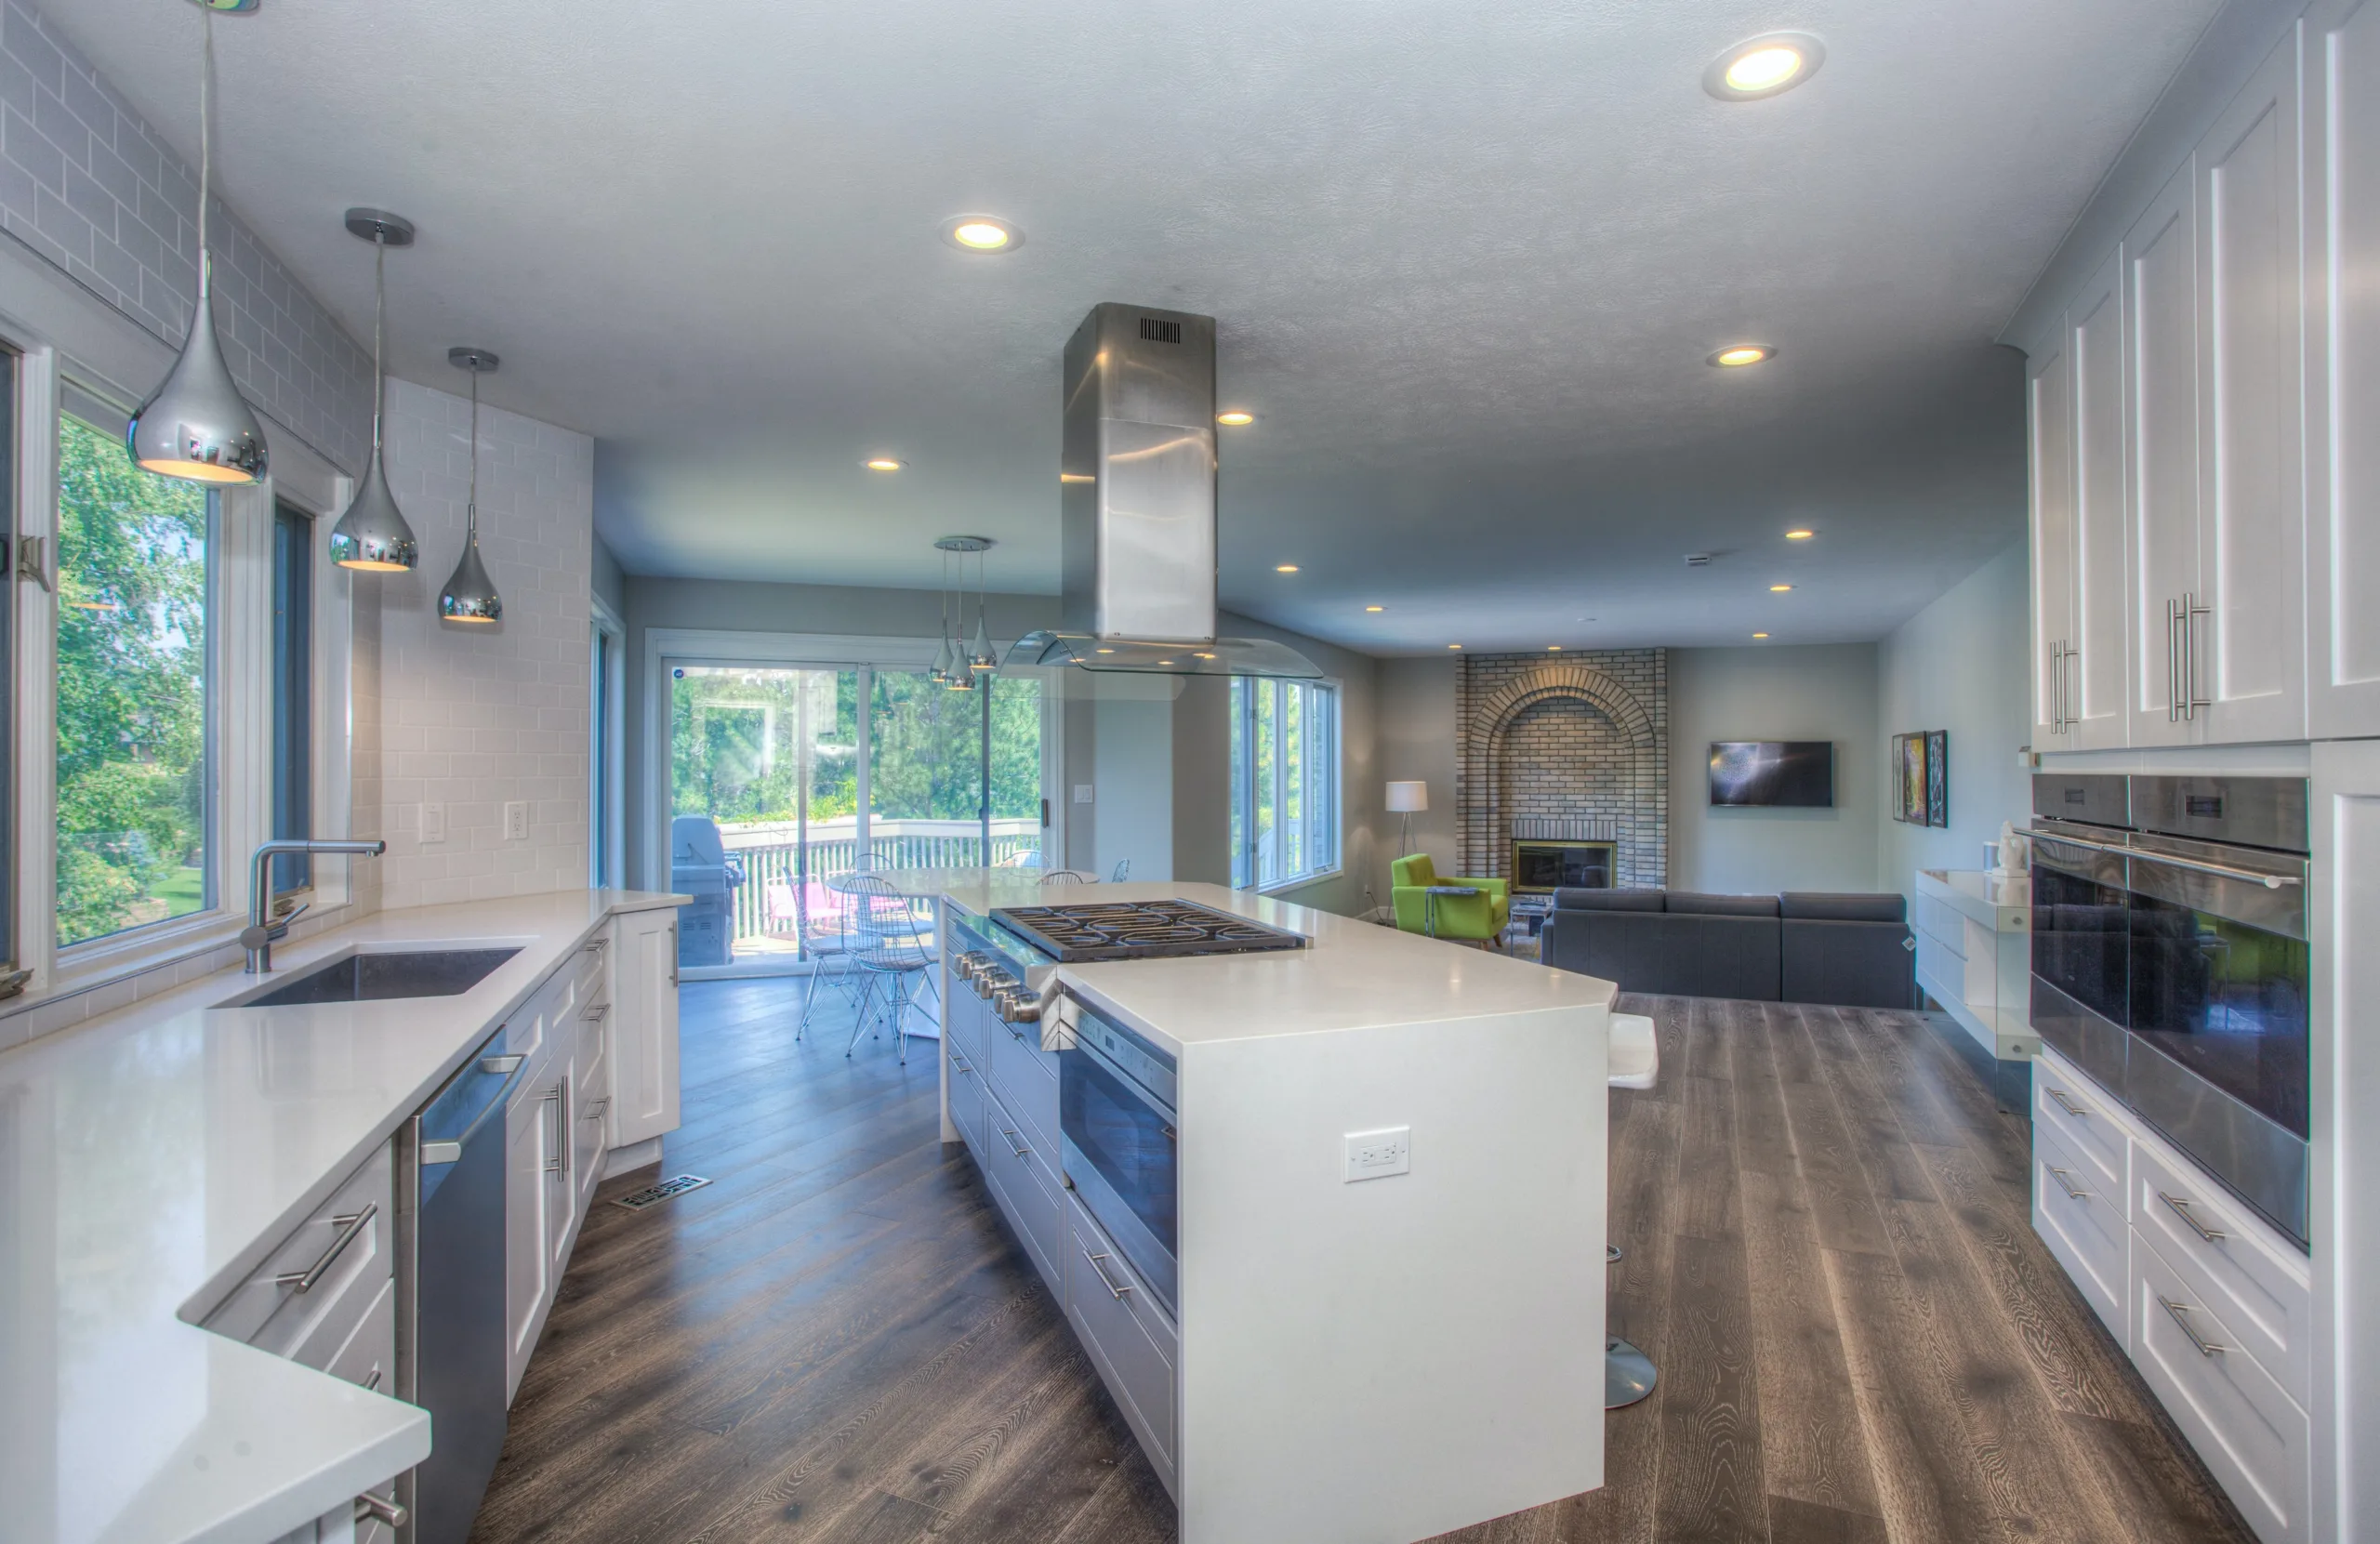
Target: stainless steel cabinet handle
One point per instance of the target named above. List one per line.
(2066, 1104)
(2178, 1310)
(376, 1507)
(2192, 701)
(2181, 1208)
(305, 1281)
(372, 1382)
(597, 1011)
(2066, 1179)
(2172, 662)
(559, 1162)
(595, 1110)
(1101, 1273)
(958, 1064)
(596, 946)
(1015, 1146)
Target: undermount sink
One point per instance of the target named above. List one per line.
(378, 977)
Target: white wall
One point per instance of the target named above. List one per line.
(1825, 691)
(474, 716)
(1960, 665)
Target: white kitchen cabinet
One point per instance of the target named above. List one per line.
(590, 1119)
(2161, 328)
(2244, 656)
(529, 1201)
(2099, 716)
(2049, 426)
(643, 1026)
(2342, 371)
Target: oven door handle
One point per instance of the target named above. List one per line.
(2271, 881)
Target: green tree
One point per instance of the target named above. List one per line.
(132, 559)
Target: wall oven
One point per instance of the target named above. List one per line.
(2170, 963)
(1117, 1146)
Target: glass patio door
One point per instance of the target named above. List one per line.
(806, 773)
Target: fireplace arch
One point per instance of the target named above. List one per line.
(1516, 760)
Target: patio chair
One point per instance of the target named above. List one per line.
(833, 946)
(893, 950)
(1066, 877)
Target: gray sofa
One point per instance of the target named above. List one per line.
(1801, 946)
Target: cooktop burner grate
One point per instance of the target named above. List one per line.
(1140, 929)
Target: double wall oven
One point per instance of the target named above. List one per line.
(2170, 963)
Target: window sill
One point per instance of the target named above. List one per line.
(110, 971)
(1282, 887)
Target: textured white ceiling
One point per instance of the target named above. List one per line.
(1468, 261)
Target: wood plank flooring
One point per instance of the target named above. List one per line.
(1828, 1257)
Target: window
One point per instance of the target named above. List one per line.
(293, 692)
(136, 801)
(10, 981)
(1284, 781)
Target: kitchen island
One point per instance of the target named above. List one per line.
(1376, 1312)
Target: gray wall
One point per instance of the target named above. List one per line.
(1415, 723)
(609, 581)
(1960, 665)
(1823, 691)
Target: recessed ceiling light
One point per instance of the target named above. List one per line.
(884, 464)
(1107, 651)
(1285, 568)
(1205, 656)
(1779, 589)
(1165, 662)
(1077, 477)
(981, 234)
(1553, 648)
(1375, 608)
(1799, 535)
(1760, 635)
(1454, 645)
(1735, 356)
(1763, 66)
(1235, 419)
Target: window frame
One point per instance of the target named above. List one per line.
(289, 515)
(607, 645)
(1321, 800)
(51, 382)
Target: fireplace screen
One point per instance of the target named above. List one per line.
(1541, 868)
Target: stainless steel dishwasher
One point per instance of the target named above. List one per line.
(451, 1300)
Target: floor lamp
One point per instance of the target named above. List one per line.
(1407, 799)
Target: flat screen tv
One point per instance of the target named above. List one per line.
(1794, 775)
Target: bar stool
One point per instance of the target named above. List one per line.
(1628, 1373)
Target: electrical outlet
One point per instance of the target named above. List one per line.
(1082, 793)
(516, 821)
(1378, 1155)
(433, 823)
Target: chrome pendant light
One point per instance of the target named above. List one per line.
(470, 595)
(980, 658)
(373, 535)
(942, 660)
(196, 426)
(956, 664)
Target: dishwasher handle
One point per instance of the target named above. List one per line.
(452, 1151)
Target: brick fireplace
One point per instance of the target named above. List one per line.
(1563, 743)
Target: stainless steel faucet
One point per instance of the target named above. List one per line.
(260, 935)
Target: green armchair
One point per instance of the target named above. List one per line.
(1475, 916)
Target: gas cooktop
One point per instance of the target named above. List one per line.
(1139, 930)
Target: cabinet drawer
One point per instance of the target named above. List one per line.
(2261, 1287)
(594, 966)
(542, 1019)
(1025, 1077)
(1025, 1181)
(269, 1311)
(966, 1021)
(1135, 1349)
(2083, 1119)
(1942, 922)
(369, 1356)
(2086, 1232)
(594, 1073)
(967, 1103)
(2253, 1438)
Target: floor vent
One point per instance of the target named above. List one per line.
(652, 1196)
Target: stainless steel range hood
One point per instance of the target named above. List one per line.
(1137, 501)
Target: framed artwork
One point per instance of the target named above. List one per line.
(1909, 778)
(1938, 777)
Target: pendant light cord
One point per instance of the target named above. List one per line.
(472, 511)
(206, 137)
(380, 330)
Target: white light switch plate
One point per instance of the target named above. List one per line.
(1378, 1155)
(516, 821)
(433, 823)
(1082, 793)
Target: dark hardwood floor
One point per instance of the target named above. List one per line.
(1828, 1255)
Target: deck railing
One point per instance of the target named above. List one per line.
(772, 857)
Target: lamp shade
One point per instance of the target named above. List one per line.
(1407, 798)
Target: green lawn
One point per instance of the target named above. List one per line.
(185, 893)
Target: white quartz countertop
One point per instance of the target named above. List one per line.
(1353, 975)
(149, 1160)
(1990, 898)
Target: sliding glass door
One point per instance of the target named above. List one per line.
(806, 773)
